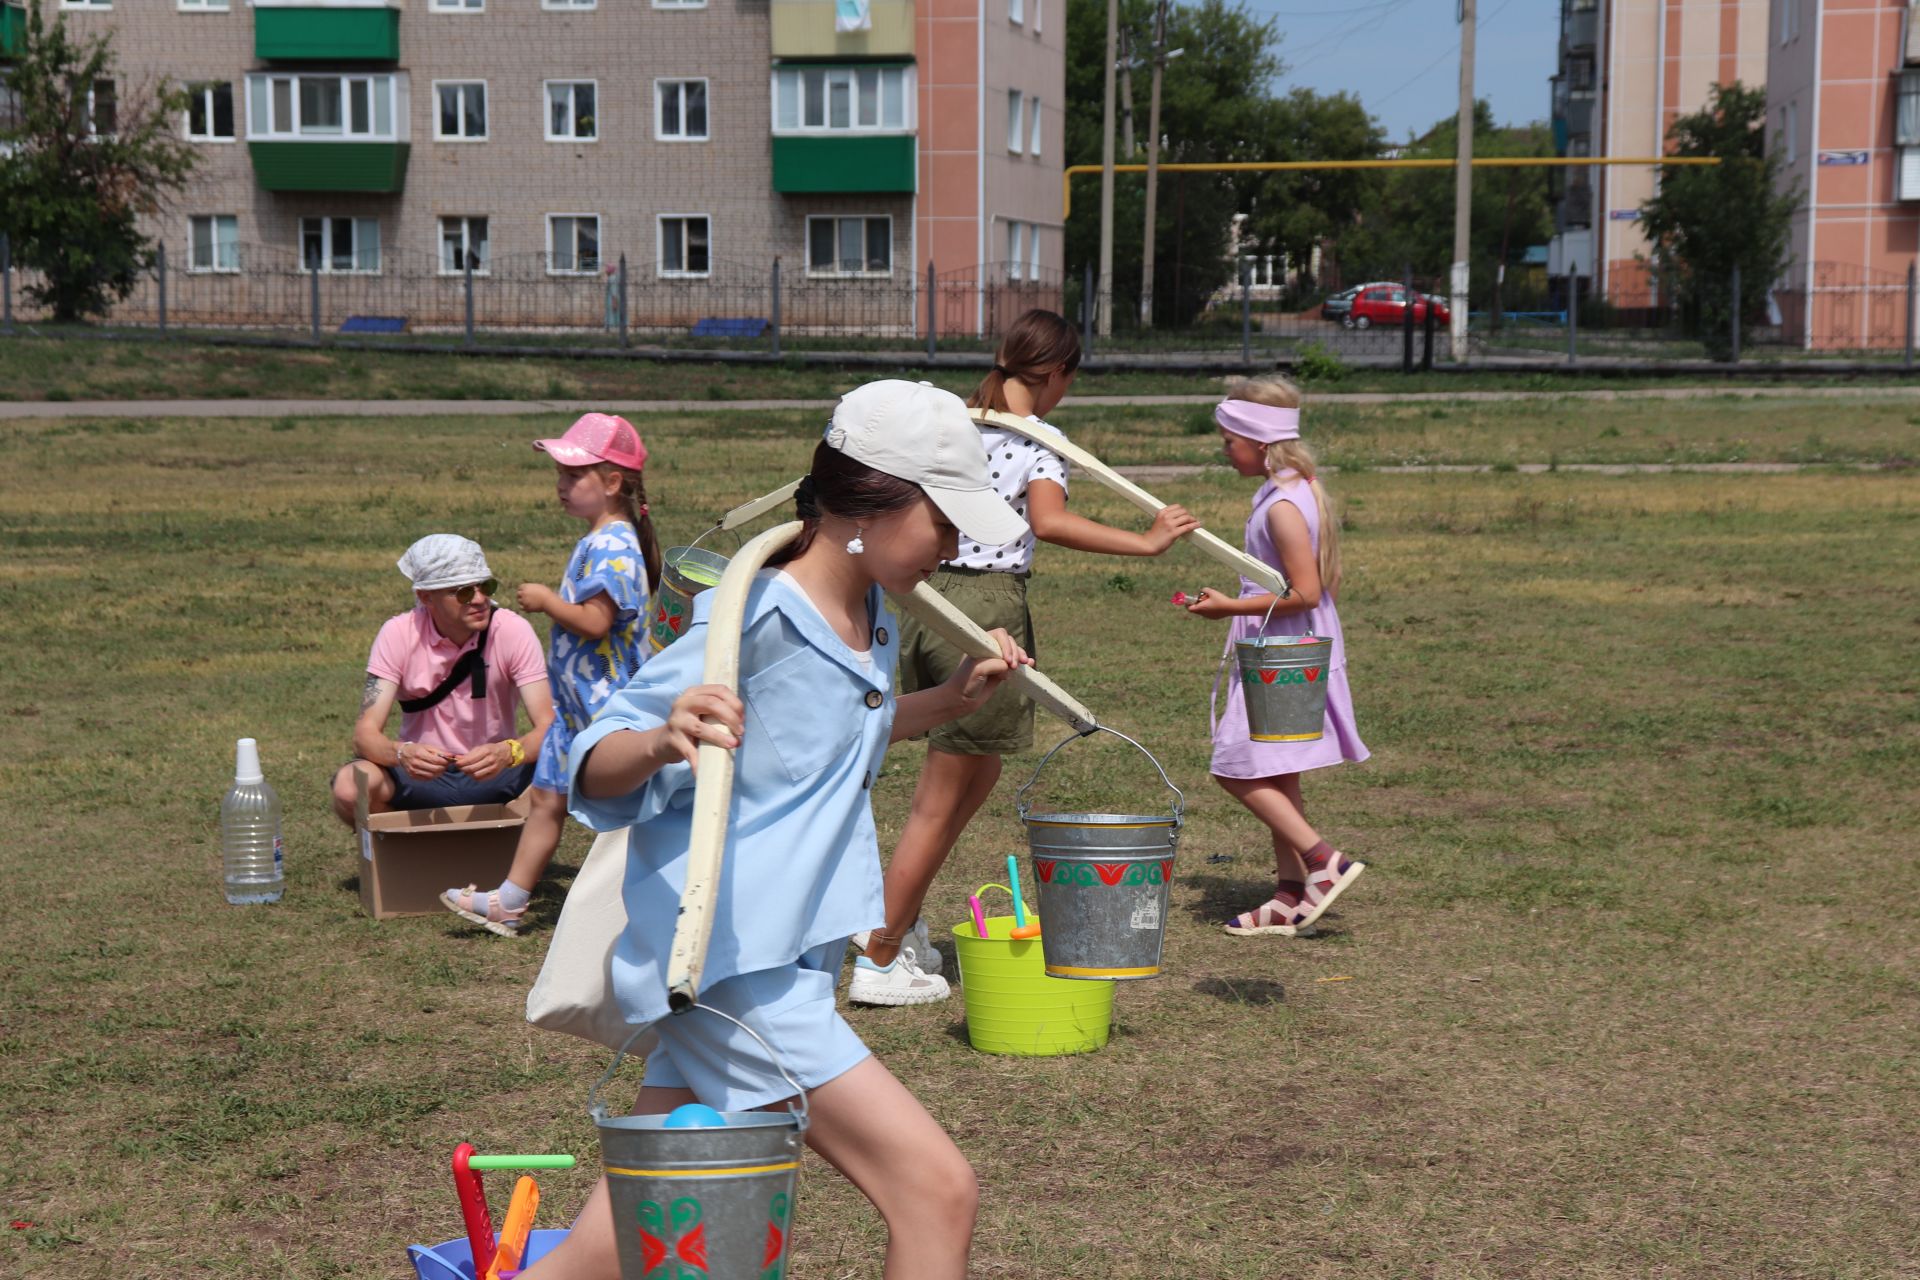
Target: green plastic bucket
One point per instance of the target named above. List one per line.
(1013, 1007)
(687, 572)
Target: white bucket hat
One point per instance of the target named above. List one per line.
(915, 431)
(442, 560)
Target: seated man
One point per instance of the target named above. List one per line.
(459, 667)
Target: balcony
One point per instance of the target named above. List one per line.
(325, 32)
(1576, 207)
(805, 29)
(13, 29)
(376, 167)
(864, 164)
(1582, 29)
(1578, 113)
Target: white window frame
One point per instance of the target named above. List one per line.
(86, 4)
(203, 89)
(834, 272)
(599, 246)
(93, 107)
(1906, 173)
(909, 94)
(1017, 12)
(486, 110)
(1790, 126)
(326, 221)
(1016, 249)
(466, 221)
(456, 6)
(1033, 126)
(659, 110)
(546, 111)
(396, 94)
(199, 6)
(1039, 14)
(215, 268)
(1033, 251)
(1016, 136)
(569, 6)
(660, 247)
(679, 4)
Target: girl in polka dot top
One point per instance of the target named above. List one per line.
(1034, 367)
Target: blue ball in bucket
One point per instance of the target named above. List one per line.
(695, 1115)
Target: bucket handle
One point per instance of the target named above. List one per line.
(802, 1112)
(424, 1252)
(1179, 796)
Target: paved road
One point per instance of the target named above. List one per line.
(236, 408)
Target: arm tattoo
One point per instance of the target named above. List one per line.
(370, 693)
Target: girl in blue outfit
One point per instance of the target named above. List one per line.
(599, 636)
(900, 476)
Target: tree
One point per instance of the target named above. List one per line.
(1295, 212)
(81, 166)
(1703, 221)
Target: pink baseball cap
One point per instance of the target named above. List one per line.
(597, 437)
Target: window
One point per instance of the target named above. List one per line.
(463, 244)
(457, 6)
(103, 112)
(1033, 126)
(1033, 253)
(1909, 174)
(679, 4)
(1790, 127)
(213, 242)
(1906, 118)
(1016, 11)
(210, 112)
(685, 249)
(361, 108)
(573, 244)
(340, 245)
(572, 111)
(680, 110)
(568, 4)
(86, 4)
(1787, 19)
(1015, 137)
(1016, 248)
(856, 246)
(460, 111)
(203, 6)
(842, 99)
(1039, 12)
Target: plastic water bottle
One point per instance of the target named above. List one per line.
(250, 832)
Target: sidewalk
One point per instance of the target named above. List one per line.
(236, 408)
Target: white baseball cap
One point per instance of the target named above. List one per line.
(915, 431)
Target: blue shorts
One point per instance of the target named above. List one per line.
(792, 1008)
(550, 770)
(455, 788)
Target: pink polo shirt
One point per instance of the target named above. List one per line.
(411, 652)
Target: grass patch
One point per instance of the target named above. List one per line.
(1629, 990)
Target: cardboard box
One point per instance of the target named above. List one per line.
(408, 857)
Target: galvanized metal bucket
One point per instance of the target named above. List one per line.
(1284, 679)
(1103, 880)
(687, 572)
(701, 1201)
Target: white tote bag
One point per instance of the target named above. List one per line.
(574, 992)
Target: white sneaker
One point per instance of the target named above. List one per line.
(917, 946)
(901, 982)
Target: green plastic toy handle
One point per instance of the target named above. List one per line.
(520, 1162)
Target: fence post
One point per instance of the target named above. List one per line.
(621, 301)
(1906, 357)
(1246, 310)
(1426, 339)
(1086, 311)
(314, 291)
(467, 283)
(1736, 313)
(6, 283)
(775, 318)
(1406, 325)
(1573, 311)
(933, 311)
(160, 277)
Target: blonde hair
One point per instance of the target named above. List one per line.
(1297, 456)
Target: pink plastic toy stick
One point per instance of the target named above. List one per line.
(979, 917)
(473, 1209)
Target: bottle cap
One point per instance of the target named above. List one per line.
(246, 763)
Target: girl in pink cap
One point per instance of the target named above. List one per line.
(1294, 528)
(598, 637)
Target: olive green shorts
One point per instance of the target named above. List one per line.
(1005, 724)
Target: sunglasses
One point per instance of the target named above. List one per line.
(466, 594)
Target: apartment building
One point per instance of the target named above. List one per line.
(1843, 112)
(1627, 70)
(855, 140)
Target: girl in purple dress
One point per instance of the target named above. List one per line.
(1294, 528)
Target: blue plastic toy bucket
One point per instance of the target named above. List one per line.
(453, 1260)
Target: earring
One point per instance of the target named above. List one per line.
(856, 547)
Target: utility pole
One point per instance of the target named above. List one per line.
(1104, 286)
(1127, 146)
(1153, 163)
(1462, 187)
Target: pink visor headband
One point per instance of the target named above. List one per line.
(1260, 422)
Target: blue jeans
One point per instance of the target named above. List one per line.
(455, 788)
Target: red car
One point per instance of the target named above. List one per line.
(1386, 304)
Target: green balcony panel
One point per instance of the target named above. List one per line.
(13, 29)
(326, 35)
(804, 29)
(825, 164)
(330, 166)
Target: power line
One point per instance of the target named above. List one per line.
(1452, 50)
